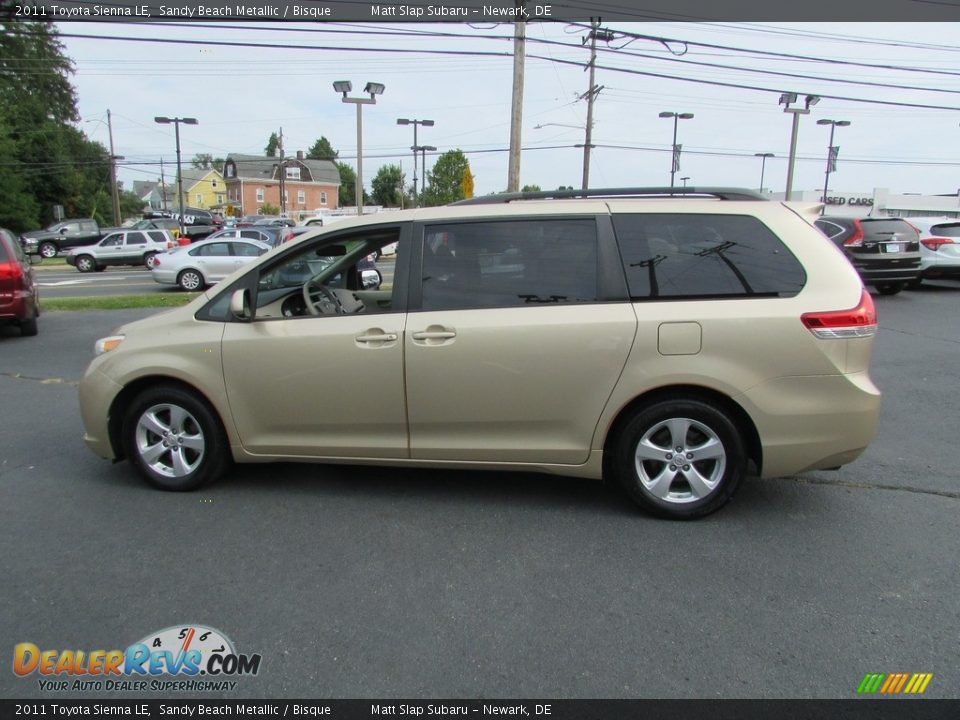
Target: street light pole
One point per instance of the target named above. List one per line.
(684, 180)
(675, 156)
(114, 190)
(176, 127)
(786, 99)
(831, 157)
(425, 123)
(763, 164)
(372, 89)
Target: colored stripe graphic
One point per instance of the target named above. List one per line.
(894, 683)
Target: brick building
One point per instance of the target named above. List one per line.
(253, 181)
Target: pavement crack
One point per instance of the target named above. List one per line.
(873, 486)
(41, 380)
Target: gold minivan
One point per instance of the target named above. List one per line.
(670, 343)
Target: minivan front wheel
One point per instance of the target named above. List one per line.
(680, 459)
(174, 438)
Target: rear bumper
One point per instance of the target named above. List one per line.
(813, 423)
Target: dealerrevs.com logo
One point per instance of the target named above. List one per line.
(186, 658)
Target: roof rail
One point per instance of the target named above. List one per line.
(721, 193)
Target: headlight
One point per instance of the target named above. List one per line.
(105, 345)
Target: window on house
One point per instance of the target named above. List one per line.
(260, 195)
(198, 199)
(231, 171)
(301, 197)
(219, 198)
(323, 198)
(293, 173)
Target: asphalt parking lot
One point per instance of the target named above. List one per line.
(368, 582)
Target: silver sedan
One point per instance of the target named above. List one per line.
(194, 267)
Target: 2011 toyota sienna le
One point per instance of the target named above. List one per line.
(668, 343)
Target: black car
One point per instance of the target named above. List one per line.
(885, 251)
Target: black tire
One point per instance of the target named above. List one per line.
(195, 453)
(190, 280)
(85, 263)
(891, 288)
(661, 487)
(29, 328)
(148, 259)
(914, 284)
(47, 250)
(101, 268)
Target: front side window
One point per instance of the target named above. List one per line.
(509, 264)
(112, 240)
(680, 256)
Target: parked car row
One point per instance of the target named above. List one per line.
(894, 253)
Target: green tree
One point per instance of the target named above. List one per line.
(388, 187)
(322, 150)
(530, 188)
(42, 155)
(206, 161)
(268, 209)
(272, 145)
(130, 205)
(348, 186)
(445, 179)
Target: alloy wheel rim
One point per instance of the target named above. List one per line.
(191, 281)
(169, 440)
(680, 460)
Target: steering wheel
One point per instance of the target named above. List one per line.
(320, 299)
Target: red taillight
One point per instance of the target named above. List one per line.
(11, 271)
(855, 240)
(156, 262)
(934, 243)
(860, 321)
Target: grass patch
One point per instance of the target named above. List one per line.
(57, 263)
(117, 302)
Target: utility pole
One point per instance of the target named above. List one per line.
(516, 109)
(163, 188)
(283, 177)
(591, 94)
(113, 174)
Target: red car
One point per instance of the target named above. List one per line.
(19, 298)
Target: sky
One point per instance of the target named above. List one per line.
(241, 95)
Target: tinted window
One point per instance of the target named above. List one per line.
(831, 230)
(945, 230)
(688, 256)
(884, 229)
(136, 238)
(218, 249)
(512, 263)
(157, 236)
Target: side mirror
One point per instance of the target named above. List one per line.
(240, 306)
(370, 279)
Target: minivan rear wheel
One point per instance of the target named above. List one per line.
(680, 459)
(174, 438)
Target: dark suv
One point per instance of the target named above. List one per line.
(19, 300)
(885, 251)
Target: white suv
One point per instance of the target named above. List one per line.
(669, 343)
(123, 247)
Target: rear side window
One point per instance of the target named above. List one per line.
(157, 236)
(217, 249)
(696, 256)
(509, 264)
(136, 238)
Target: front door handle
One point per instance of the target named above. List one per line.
(434, 335)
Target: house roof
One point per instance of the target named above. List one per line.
(261, 167)
(144, 188)
(193, 176)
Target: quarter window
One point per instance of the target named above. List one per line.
(509, 264)
(695, 256)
